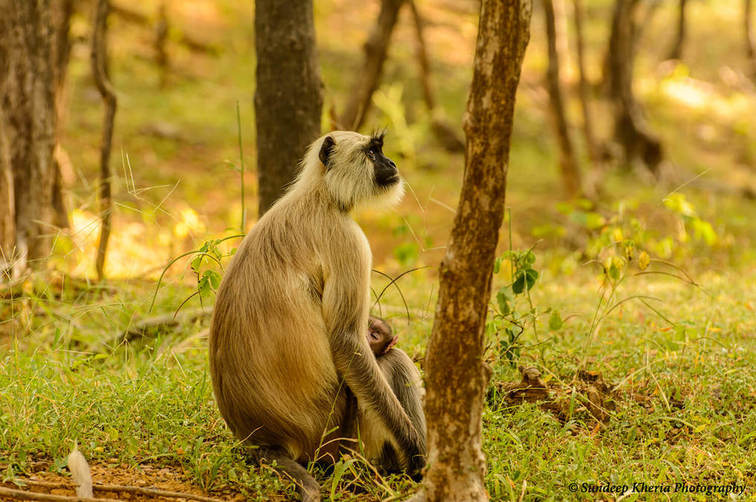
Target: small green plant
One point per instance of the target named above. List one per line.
(625, 226)
(514, 308)
(207, 265)
(621, 244)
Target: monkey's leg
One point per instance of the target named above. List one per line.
(307, 487)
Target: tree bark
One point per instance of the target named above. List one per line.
(456, 377)
(288, 99)
(630, 129)
(584, 88)
(750, 38)
(62, 12)
(7, 199)
(28, 127)
(422, 57)
(567, 162)
(161, 41)
(675, 52)
(376, 51)
(99, 62)
(445, 134)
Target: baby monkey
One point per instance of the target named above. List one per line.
(404, 379)
(380, 337)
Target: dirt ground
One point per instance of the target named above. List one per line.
(145, 476)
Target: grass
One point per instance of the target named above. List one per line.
(684, 409)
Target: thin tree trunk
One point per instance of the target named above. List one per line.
(99, 57)
(161, 40)
(62, 12)
(28, 126)
(676, 50)
(567, 162)
(422, 57)
(376, 51)
(630, 129)
(750, 38)
(455, 374)
(7, 199)
(584, 88)
(445, 134)
(288, 99)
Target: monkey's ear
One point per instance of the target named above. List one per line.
(325, 149)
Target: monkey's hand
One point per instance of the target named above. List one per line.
(416, 462)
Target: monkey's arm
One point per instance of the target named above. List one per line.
(345, 313)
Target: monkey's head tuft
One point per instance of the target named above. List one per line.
(353, 169)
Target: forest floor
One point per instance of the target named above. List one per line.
(658, 389)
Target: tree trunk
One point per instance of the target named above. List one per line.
(630, 129)
(567, 162)
(455, 374)
(7, 199)
(584, 88)
(376, 50)
(676, 50)
(99, 63)
(61, 13)
(288, 99)
(28, 126)
(161, 41)
(445, 134)
(750, 38)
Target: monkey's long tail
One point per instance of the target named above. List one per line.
(308, 488)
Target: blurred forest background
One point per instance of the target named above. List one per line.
(631, 197)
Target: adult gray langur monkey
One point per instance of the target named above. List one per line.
(288, 342)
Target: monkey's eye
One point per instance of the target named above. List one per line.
(371, 154)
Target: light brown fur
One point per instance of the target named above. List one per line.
(291, 315)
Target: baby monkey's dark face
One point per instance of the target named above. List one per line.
(380, 337)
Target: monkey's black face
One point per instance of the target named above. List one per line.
(386, 174)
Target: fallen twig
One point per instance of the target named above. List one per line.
(139, 490)
(140, 329)
(24, 495)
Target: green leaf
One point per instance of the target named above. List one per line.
(338, 472)
(531, 276)
(594, 221)
(679, 204)
(215, 278)
(702, 230)
(209, 282)
(555, 321)
(497, 265)
(519, 285)
(614, 271)
(503, 298)
(530, 258)
(197, 262)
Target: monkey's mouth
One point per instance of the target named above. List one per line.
(389, 181)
